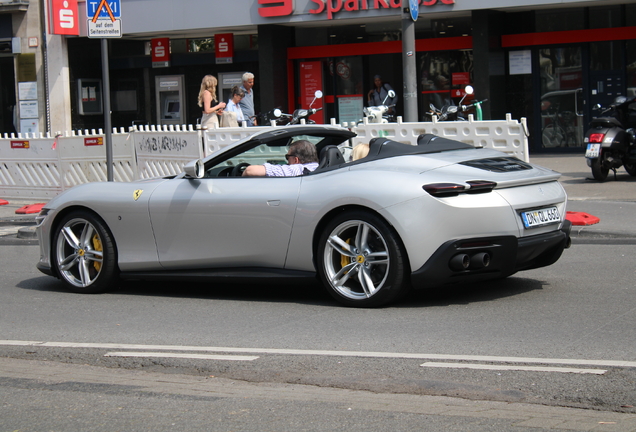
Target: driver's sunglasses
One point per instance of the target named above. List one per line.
(287, 156)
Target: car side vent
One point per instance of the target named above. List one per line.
(499, 165)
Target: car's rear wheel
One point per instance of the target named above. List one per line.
(362, 262)
(84, 253)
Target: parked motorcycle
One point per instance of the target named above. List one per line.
(610, 139)
(380, 113)
(298, 115)
(276, 115)
(456, 112)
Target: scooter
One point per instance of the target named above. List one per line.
(279, 118)
(298, 115)
(378, 114)
(456, 112)
(610, 139)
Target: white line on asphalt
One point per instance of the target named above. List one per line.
(13, 229)
(181, 355)
(512, 368)
(371, 354)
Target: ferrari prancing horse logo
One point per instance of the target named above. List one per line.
(137, 194)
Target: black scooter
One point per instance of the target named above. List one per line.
(296, 118)
(610, 140)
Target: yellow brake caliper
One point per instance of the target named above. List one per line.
(97, 245)
(344, 260)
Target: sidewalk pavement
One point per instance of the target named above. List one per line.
(280, 401)
(613, 201)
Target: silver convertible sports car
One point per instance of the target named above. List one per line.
(405, 216)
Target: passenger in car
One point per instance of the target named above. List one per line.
(301, 156)
(359, 151)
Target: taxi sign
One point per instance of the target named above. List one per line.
(104, 18)
(104, 9)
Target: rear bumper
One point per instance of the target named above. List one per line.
(507, 255)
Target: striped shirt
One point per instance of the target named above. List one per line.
(273, 170)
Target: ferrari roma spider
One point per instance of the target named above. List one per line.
(404, 216)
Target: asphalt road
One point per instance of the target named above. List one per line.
(501, 356)
(576, 315)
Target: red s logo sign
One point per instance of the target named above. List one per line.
(275, 8)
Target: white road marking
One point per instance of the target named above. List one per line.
(370, 354)
(512, 368)
(181, 355)
(7, 230)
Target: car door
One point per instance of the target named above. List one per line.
(224, 222)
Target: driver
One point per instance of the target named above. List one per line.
(301, 156)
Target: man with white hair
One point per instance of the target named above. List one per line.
(247, 103)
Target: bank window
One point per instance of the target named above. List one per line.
(549, 20)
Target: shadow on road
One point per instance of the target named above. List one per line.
(308, 292)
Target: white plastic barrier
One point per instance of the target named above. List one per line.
(219, 138)
(164, 150)
(38, 167)
(29, 167)
(83, 158)
(508, 136)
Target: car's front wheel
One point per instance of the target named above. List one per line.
(362, 261)
(84, 253)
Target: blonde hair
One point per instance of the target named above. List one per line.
(208, 83)
(360, 151)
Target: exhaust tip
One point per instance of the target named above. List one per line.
(480, 260)
(459, 262)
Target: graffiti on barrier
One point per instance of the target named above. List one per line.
(167, 144)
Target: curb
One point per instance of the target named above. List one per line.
(27, 233)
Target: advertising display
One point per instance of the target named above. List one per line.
(310, 81)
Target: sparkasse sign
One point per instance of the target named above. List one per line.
(278, 8)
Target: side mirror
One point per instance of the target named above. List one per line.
(318, 94)
(194, 169)
(391, 94)
(469, 89)
(277, 113)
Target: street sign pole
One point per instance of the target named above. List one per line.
(104, 27)
(107, 115)
(409, 15)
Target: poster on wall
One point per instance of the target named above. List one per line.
(350, 109)
(29, 126)
(310, 81)
(520, 62)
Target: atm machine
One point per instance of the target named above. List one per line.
(170, 99)
(227, 80)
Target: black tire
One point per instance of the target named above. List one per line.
(84, 254)
(362, 245)
(631, 169)
(598, 170)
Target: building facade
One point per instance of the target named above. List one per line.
(550, 61)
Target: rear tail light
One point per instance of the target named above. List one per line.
(597, 138)
(481, 186)
(442, 190)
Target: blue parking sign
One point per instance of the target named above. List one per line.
(106, 8)
(414, 7)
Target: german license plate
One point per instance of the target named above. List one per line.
(539, 217)
(592, 151)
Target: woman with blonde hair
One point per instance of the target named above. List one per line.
(207, 100)
(360, 151)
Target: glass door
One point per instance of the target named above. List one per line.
(562, 122)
